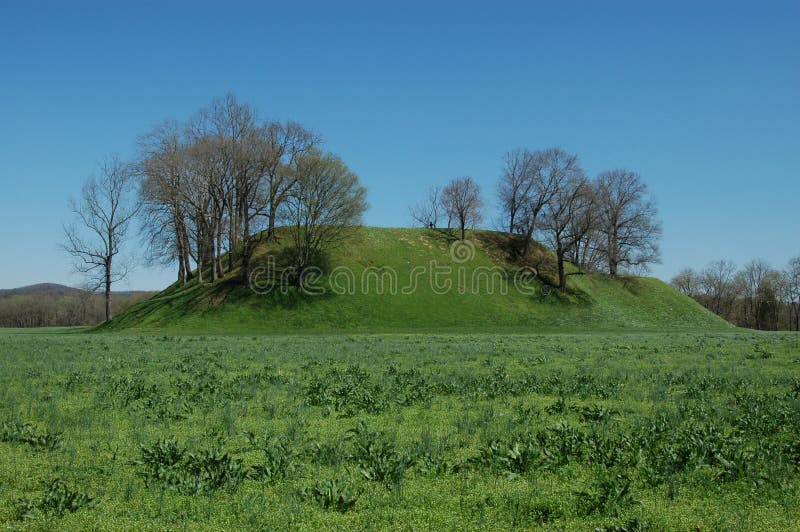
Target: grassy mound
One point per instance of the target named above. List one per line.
(414, 279)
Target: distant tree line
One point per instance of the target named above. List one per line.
(756, 296)
(607, 223)
(58, 310)
(208, 190)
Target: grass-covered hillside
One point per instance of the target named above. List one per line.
(427, 285)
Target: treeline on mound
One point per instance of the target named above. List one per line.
(60, 309)
(205, 188)
(607, 223)
(209, 185)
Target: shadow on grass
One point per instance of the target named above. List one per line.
(634, 285)
(540, 258)
(233, 292)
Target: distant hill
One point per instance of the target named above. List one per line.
(594, 302)
(54, 289)
(56, 305)
(42, 288)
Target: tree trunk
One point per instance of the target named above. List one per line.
(612, 253)
(219, 249)
(231, 231)
(246, 251)
(231, 249)
(794, 315)
(526, 245)
(187, 265)
(245, 262)
(213, 257)
(181, 270)
(562, 277)
(183, 239)
(200, 263)
(271, 236)
(181, 264)
(108, 291)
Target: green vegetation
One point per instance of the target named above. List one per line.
(644, 431)
(595, 301)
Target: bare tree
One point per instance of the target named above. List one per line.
(461, 199)
(687, 282)
(792, 275)
(627, 219)
(164, 220)
(324, 205)
(750, 284)
(717, 281)
(428, 211)
(236, 123)
(586, 253)
(282, 145)
(203, 174)
(211, 186)
(515, 185)
(756, 296)
(567, 218)
(103, 214)
(767, 305)
(550, 170)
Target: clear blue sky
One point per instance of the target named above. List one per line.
(701, 98)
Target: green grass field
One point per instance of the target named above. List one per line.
(639, 431)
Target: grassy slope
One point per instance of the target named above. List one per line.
(595, 301)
